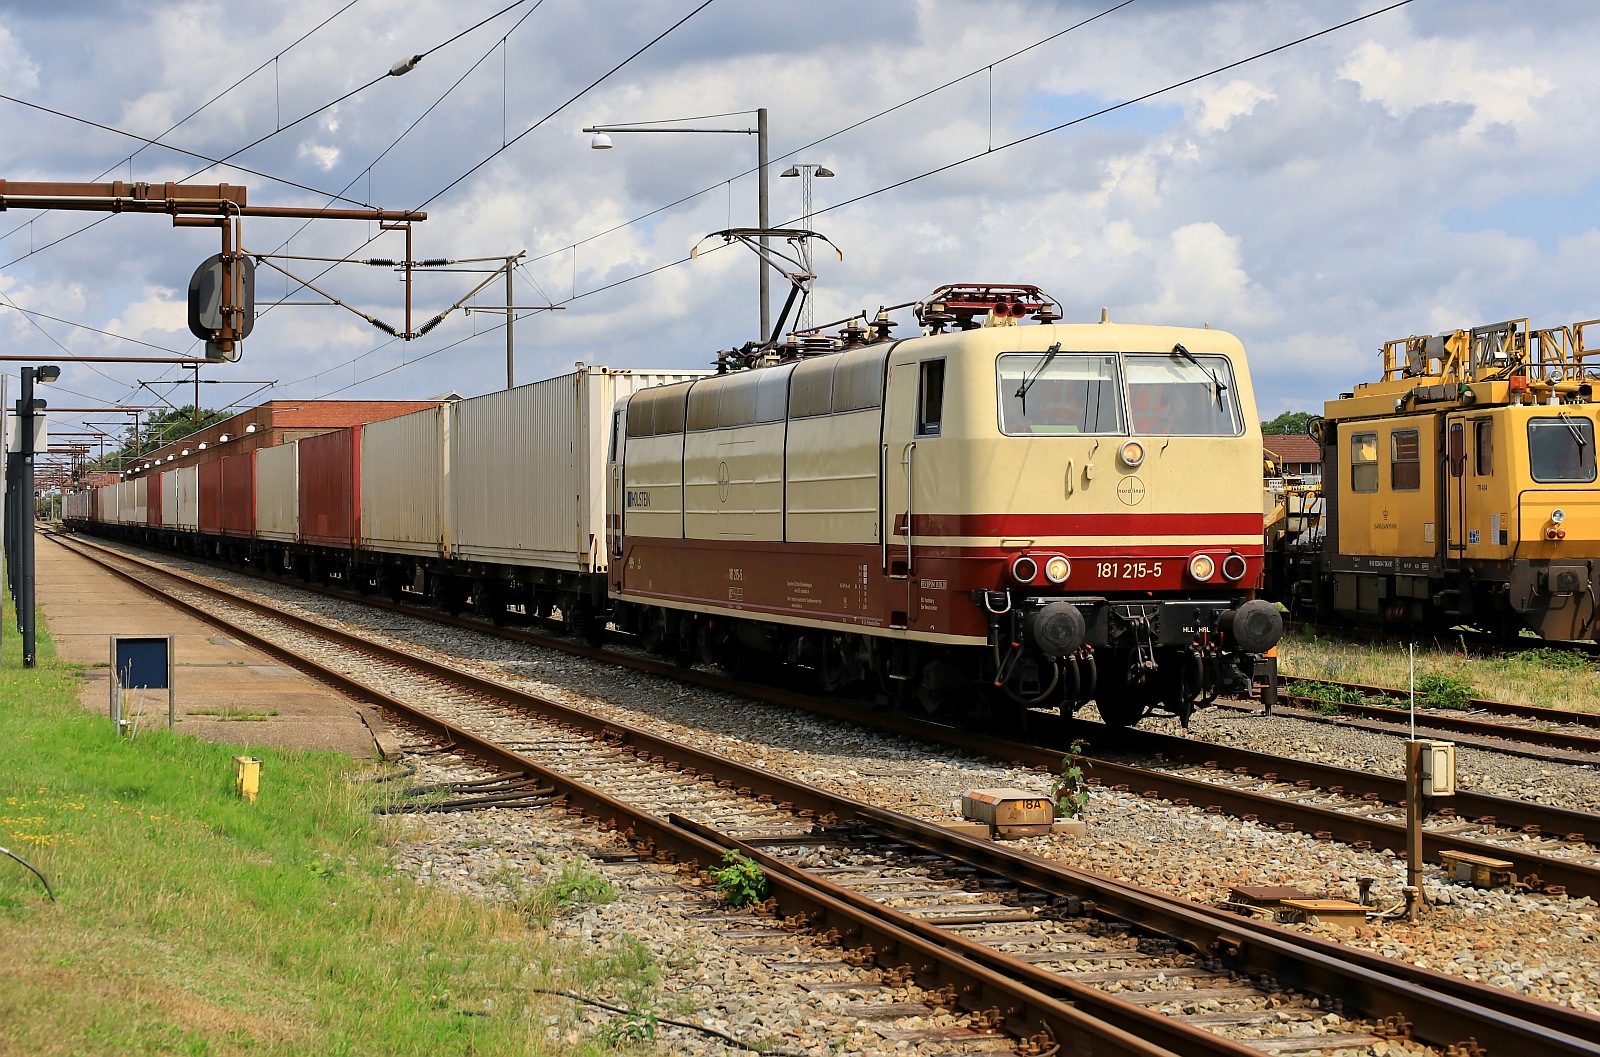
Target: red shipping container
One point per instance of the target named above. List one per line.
(211, 498)
(239, 494)
(330, 488)
(153, 506)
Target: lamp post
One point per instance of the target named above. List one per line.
(806, 172)
(602, 141)
(21, 507)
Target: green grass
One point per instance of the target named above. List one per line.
(235, 715)
(1548, 675)
(190, 922)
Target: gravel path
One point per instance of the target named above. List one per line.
(1547, 947)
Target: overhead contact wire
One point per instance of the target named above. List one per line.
(593, 85)
(835, 135)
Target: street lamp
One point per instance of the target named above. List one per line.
(806, 172)
(602, 141)
(20, 505)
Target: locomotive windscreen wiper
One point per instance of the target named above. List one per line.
(1028, 380)
(1572, 426)
(1218, 384)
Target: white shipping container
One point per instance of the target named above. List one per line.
(527, 470)
(403, 472)
(188, 497)
(169, 500)
(138, 506)
(278, 492)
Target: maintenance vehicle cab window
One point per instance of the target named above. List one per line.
(1364, 462)
(1191, 396)
(1405, 460)
(1561, 449)
(1060, 392)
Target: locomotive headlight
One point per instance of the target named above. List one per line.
(1024, 569)
(1057, 569)
(1201, 567)
(1558, 515)
(1132, 453)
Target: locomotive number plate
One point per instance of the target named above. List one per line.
(1127, 570)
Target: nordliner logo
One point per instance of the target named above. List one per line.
(1131, 491)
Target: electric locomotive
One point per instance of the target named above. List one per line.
(990, 516)
(1460, 488)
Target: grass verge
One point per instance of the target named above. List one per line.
(190, 922)
(1548, 676)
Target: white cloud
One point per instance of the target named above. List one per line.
(1220, 106)
(323, 157)
(1479, 74)
(159, 309)
(18, 72)
(1343, 193)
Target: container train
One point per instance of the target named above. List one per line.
(1460, 489)
(1004, 512)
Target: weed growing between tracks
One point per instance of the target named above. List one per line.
(190, 922)
(1547, 676)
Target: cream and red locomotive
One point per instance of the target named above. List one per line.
(968, 521)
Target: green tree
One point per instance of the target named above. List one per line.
(1290, 423)
(158, 428)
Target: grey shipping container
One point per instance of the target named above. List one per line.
(403, 467)
(527, 468)
(278, 493)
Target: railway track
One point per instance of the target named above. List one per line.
(1527, 730)
(1551, 849)
(1056, 957)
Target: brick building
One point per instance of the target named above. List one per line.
(1295, 454)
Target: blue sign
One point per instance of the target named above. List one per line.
(142, 664)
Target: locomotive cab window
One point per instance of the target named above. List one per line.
(1405, 460)
(1364, 462)
(1561, 449)
(1060, 392)
(1183, 395)
(930, 398)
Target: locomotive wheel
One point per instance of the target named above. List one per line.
(833, 672)
(1122, 701)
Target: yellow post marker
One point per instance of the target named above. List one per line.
(247, 776)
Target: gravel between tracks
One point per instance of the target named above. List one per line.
(1545, 947)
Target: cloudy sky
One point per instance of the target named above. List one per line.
(1430, 167)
